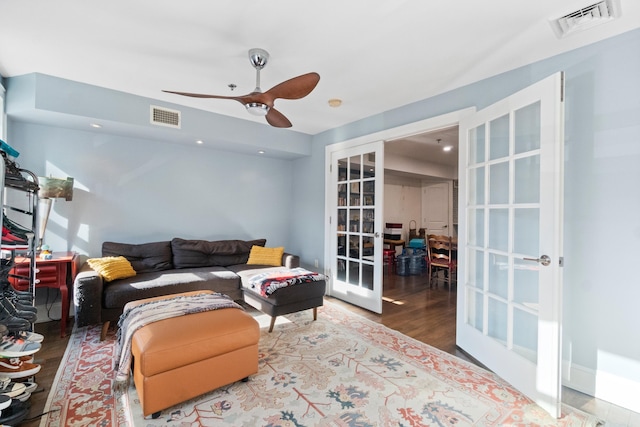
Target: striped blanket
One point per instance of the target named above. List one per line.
(134, 318)
(268, 282)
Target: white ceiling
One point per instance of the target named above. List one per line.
(375, 55)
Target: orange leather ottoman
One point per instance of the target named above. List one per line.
(183, 357)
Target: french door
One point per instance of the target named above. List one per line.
(510, 242)
(357, 179)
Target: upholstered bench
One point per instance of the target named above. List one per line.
(285, 300)
(182, 357)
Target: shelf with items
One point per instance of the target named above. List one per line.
(18, 239)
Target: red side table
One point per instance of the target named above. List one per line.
(57, 272)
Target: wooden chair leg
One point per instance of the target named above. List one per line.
(105, 328)
(315, 313)
(273, 322)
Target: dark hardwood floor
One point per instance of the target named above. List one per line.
(412, 306)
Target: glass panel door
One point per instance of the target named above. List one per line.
(509, 313)
(357, 255)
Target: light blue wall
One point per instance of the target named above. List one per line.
(139, 190)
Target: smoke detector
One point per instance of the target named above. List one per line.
(585, 18)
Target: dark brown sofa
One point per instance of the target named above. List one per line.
(164, 268)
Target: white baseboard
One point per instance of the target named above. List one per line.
(609, 387)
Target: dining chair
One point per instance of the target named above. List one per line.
(441, 256)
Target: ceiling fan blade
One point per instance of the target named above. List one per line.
(202, 95)
(276, 119)
(295, 88)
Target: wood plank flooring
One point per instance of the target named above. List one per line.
(411, 306)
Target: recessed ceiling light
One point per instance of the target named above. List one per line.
(96, 125)
(335, 102)
(199, 141)
(447, 148)
(261, 152)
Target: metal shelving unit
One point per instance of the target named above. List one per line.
(31, 212)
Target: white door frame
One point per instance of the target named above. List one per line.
(426, 125)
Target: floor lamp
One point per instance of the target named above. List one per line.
(51, 188)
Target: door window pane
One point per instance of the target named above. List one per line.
(499, 229)
(369, 170)
(475, 309)
(499, 138)
(527, 182)
(354, 273)
(526, 225)
(368, 193)
(476, 186)
(477, 145)
(527, 128)
(497, 323)
(499, 275)
(342, 245)
(342, 170)
(342, 195)
(354, 220)
(525, 334)
(499, 183)
(354, 247)
(525, 279)
(342, 220)
(476, 268)
(476, 227)
(354, 194)
(367, 276)
(368, 221)
(354, 167)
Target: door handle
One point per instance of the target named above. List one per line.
(544, 260)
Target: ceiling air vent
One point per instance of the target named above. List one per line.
(587, 17)
(165, 117)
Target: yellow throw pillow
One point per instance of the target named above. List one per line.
(112, 267)
(266, 256)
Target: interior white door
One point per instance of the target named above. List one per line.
(435, 208)
(357, 179)
(510, 240)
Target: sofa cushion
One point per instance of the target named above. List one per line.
(153, 284)
(145, 257)
(203, 253)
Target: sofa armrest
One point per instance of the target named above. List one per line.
(290, 260)
(87, 296)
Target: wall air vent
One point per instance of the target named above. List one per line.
(165, 117)
(587, 17)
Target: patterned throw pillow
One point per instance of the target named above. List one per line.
(112, 267)
(266, 256)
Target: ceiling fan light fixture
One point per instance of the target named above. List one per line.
(257, 108)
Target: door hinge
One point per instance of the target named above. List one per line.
(561, 261)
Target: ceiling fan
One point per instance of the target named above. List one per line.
(261, 103)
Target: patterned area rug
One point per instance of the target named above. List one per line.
(342, 370)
